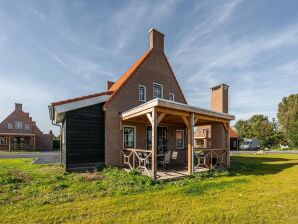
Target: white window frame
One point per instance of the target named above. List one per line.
(145, 94)
(172, 94)
(20, 126)
(183, 138)
(27, 127)
(9, 126)
(5, 140)
(158, 84)
(135, 132)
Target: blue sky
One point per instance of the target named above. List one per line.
(53, 50)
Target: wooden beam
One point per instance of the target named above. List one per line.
(160, 117)
(34, 142)
(172, 112)
(209, 118)
(127, 116)
(190, 142)
(149, 118)
(186, 121)
(154, 144)
(225, 125)
(196, 120)
(228, 145)
(9, 146)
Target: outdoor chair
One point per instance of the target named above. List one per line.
(166, 162)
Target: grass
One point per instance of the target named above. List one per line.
(256, 189)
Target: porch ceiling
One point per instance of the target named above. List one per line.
(174, 113)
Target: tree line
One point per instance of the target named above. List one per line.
(273, 133)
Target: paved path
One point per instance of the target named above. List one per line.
(42, 157)
(266, 152)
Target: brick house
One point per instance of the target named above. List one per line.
(138, 119)
(19, 132)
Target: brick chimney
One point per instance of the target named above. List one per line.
(156, 39)
(109, 84)
(18, 107)
(220, 98)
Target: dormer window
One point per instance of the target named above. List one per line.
(157, 90)
(18, 125)
(142, 93)
(171, 96)
(9, 125)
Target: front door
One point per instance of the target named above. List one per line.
(161, 139)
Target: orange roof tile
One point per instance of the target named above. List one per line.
(233, 133)
(81, 98)
(126, 76)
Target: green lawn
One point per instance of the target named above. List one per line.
(257, 189)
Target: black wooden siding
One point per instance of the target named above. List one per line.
(85, 136)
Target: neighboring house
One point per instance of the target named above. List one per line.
(19, 132)
(234, 141)
(202, 136)
(138, 118)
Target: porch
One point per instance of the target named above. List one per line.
(17, 141)
(175, 117)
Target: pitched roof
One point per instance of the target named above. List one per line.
(233, 133)
(126, 76)
(81, 98)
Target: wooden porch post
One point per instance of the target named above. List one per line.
(190, 142)
(34, 143)
(228, 145)
(154, 143)
(9, 146)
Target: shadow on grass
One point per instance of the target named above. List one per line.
(260, 165)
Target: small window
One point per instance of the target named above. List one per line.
(27, 127)
(129, 137)
(18, 125)
(142, 93)
(3, 141)
(179, 139)
(171, 97)
(157, 90)
(9, 125)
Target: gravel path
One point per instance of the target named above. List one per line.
(41, 157)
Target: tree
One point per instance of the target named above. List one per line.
(288, 118)
(259, 126)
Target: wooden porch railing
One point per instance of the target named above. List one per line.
(21, 146)
(139, 159)
(210, 158)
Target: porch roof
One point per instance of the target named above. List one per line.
(202, 116)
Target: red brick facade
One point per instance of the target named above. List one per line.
(19, 131)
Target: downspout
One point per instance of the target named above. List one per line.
(51, 110)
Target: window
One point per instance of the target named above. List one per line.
(157, 90)
(142, 93)
(27, 127)
(18, 125)
(9, 125)
(171, 96)
(3, 141)
(129, 137)
(179, 139)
